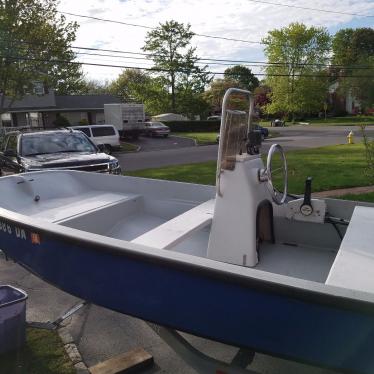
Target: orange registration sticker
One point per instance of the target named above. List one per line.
(35, 238)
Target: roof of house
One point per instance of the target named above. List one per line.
(52, 102)
(85, 101)
(32, 101)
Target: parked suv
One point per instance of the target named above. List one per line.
(102, 134)
(57, 149)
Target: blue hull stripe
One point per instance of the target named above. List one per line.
(195, 302)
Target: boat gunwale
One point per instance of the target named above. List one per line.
(301, 289)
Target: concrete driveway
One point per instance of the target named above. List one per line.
(148, 144)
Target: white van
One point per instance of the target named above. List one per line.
(102, 134)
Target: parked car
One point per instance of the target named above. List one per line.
(277, 123)
(264, 132)
(57, 149)
(156, 129)
(214, 118)
(102, 134)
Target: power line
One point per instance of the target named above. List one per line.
(153, 28)
(231, 62)
(17, 58)
(313, 9)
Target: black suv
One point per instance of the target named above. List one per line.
(56, 149)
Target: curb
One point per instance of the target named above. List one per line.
(185, 137)
(72, 351)
(344, 191)
(138, 149)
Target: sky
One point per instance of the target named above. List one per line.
(239, 19)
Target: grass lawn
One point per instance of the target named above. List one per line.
(42, 354)
(203, 173)
(332, 121)
(348, 120)
(368, 197)
(202, 138)
(331, 167)
(128, 147)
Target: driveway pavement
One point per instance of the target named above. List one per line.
(158, 144)
(293, 137)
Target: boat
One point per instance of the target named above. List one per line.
(243, 262)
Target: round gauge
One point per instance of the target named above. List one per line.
(306, 210)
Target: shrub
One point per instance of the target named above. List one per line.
(61, 121)
(83, 122)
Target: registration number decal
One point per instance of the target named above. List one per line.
(19, 233)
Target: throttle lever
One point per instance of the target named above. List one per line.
(306, 208)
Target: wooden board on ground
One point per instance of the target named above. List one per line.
(124, 363)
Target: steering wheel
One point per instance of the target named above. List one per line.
(278, 197)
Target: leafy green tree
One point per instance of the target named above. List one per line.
(296, 75)
(93, 87)
(34, 40)
(175, 60)
(243, 76)
(216, 91)
(135, 85)
(352, 45)
(353, 59)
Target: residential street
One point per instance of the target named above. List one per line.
(293, 137)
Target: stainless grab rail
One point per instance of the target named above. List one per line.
(225, 101)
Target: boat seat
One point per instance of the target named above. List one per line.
(59, 210)
(354, 262)
(174, 231)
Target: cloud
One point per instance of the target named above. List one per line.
(241, 19)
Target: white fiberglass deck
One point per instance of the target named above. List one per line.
(165, 215)
(133, 220)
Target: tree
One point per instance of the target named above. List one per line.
(243, 76)
(216, 90)
(135, 85)
(296, 74)
(93, 87)
(34, 40)
(262, 96)
(352, 45)
(175, 61)
(353, 59)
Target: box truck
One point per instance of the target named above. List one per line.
(127, 118)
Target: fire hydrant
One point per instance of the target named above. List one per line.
(350, 138)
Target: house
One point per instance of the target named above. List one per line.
(343, 102)
(169, 117)
(42, 110)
